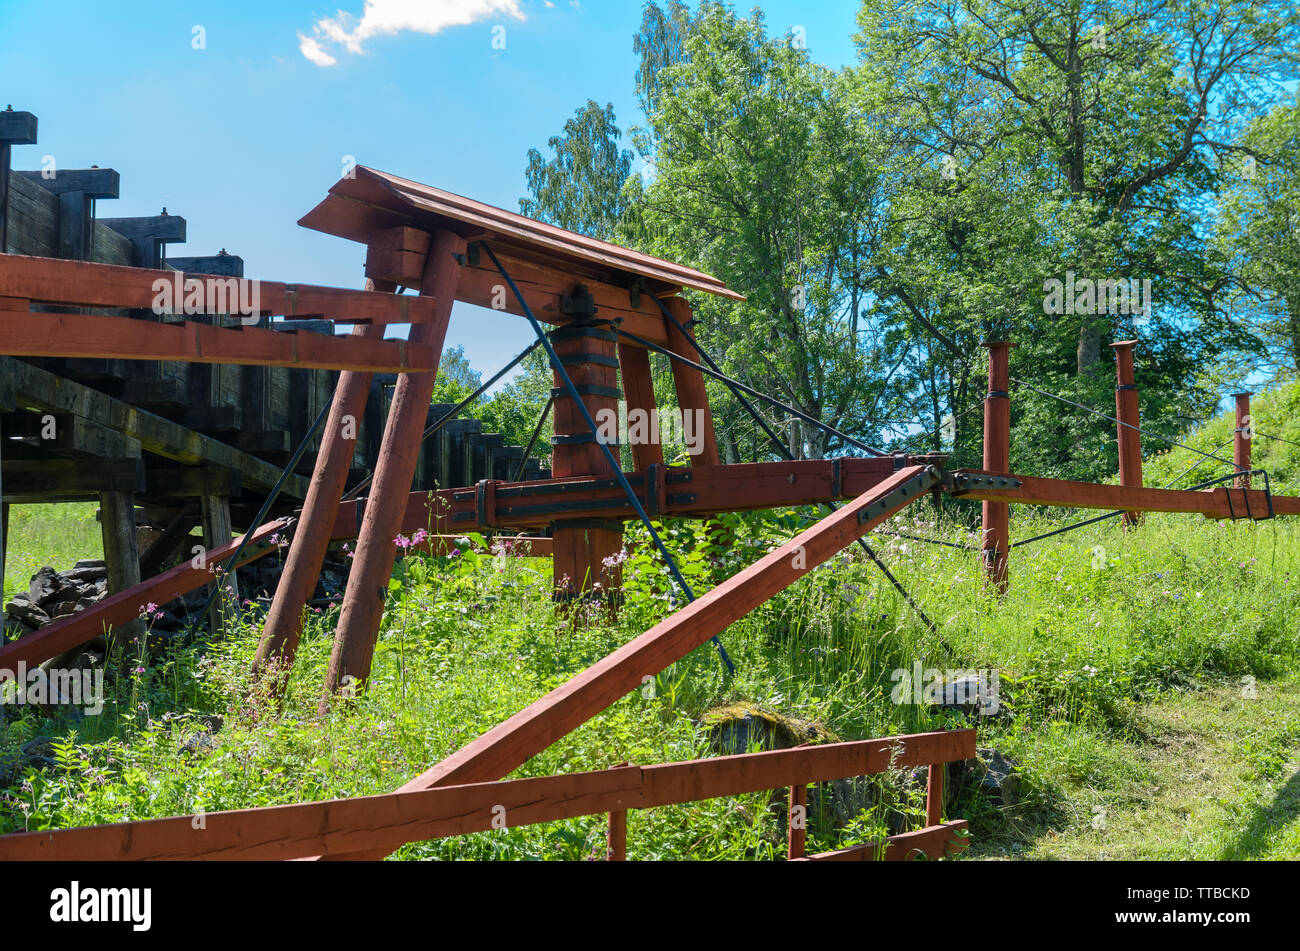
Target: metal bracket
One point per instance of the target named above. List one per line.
(579, 304)
(966, 481)
(914, 486)
(634, 290)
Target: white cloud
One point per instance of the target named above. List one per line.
(314, 52)
(386, 17)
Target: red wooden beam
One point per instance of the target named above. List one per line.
(934, 842)
(126, 338)
(1221, 502)
(344, 826)
(372, 566)
(1126, 411)
(83, 283)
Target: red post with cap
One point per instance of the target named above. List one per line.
(997, 458)
(1241, 437)
(1126, 411)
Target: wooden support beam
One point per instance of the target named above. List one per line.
(1221, 502)
(173, 534)
(692, 395)
(125, 338)
(680, 492)
(122, 556)
(279, 642)
(91, 182)
(510, 744)
(54, 281)
(639, 392)
(39, 389)
(372, 565)
(16, 128)
(996, 539)
(1242, 434)
(69, 480)
(932, 842)
(1126, 411)
(216, 536)
(398, 254)
(344, 826)
(796, 822)
(582, 546)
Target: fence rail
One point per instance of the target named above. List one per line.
(349, 826)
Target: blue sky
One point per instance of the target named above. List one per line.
(246, 135)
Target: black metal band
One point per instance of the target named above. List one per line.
(1126, 386)
(997, 395)
(599, 359)
(587, 389)
(583, 331)
(574, 439)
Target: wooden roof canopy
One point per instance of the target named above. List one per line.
(370, 203)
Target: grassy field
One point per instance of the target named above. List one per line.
(1123, 658)
(58, 535)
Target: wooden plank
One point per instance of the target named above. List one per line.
(124, 338)
(342, 826)
(43, 390)
(55, 281)
(91, 182)
(1212, 503)
(933, 842)
(122, 556)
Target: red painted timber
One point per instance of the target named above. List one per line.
(996, 541)
(692, 395)
(57, 281)
(1126, 411)
(932, 842)
(372, 567)
(344, 826)
(126, 338)
(1241, 437)
(302, 566)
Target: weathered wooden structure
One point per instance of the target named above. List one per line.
(607, 306)
(169, 445)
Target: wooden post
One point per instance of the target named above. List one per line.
(639, 393)
(311, 539)
(122, 557)
(16, 128)
(587, 351)
(797, 822)
(1241, 437)
(1126, 411)
(372, 565)
(217, 531)
(616, 840)
(934, 794)
(692, 397)
(997, 458)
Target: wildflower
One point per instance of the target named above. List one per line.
(419, 537)
(139, 670)
(401, 541)
(1090, 671)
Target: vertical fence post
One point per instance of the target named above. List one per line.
(1126, 411)
(616, 850)
(797, 822)
(1241, 437)
(997, 458)
(934, 794)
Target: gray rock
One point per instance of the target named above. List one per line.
(45, 585)
(30, 614)
(92, 563)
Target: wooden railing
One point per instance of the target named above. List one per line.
(357, 825)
